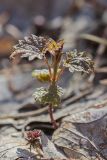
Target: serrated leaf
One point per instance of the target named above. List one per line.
(36, 47)
(78, 61)
(53, 95)
(39, 93)
(49, 96)
(30, 47)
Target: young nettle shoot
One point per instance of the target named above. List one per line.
(51, 52)
(34, 140)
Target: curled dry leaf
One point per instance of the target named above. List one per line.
(83, 135)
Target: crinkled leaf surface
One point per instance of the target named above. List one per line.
(36, 47)
(49, 96)
(30, 47)
(78, 61)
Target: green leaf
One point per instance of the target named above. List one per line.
(53, 96)
(78, 61)
(41, 75)
(49, 96)
(39, 93)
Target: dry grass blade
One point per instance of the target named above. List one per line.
(93, 38)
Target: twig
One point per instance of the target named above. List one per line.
(24, 115)
(101, 49)
(76, 98)
(93, 38)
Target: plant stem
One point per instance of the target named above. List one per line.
(60, 73)
(55, 63)
(49, 68)
(51, 116)
(55, 67)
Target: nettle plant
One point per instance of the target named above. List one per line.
(51, 52)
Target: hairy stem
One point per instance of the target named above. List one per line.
(49, 68)
(51, 116)
(55, 64)
(60, 73)
(55, 67)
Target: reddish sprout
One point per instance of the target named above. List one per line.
(33, 135)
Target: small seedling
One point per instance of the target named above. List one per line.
(51, 52)
(33, 138)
